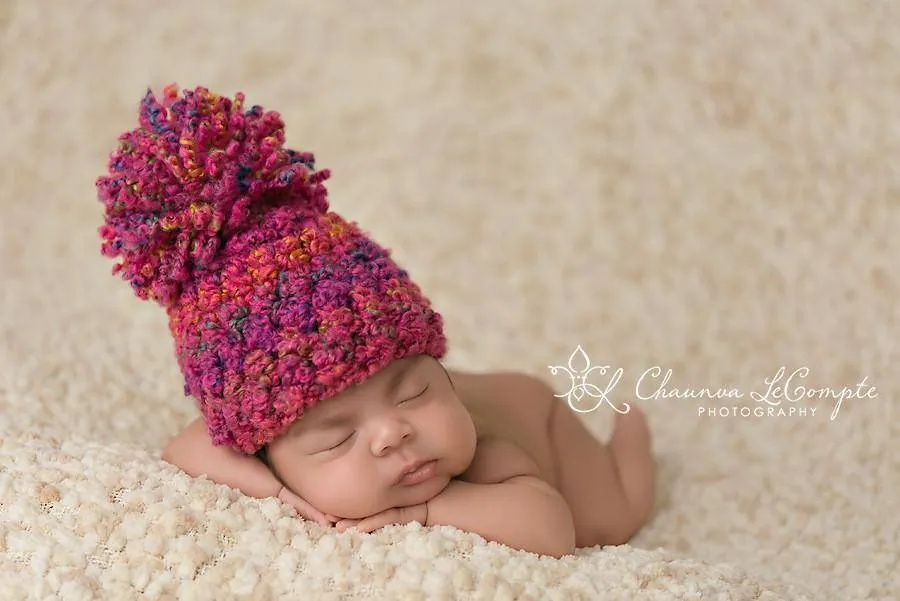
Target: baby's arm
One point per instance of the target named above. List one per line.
(523, 512)
(193, 452)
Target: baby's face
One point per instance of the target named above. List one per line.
(346, 454)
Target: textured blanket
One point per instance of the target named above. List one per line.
(707, 188)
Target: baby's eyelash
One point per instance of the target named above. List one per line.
(340, 443)
(417, 395)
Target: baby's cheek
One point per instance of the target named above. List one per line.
(349, 492)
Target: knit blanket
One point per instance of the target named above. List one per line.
(88, 520)
(706, 189)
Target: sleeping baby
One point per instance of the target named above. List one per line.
(316, 362)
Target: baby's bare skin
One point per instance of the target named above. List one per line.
(508, 454)
(608, 487)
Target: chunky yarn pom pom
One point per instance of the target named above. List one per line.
(197, 170)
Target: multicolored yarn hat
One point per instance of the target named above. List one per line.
(274, 301)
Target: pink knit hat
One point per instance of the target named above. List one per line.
(274, 301)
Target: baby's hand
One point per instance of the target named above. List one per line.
(303, 507)
(395, 515)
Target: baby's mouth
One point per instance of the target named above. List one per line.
(418, 473)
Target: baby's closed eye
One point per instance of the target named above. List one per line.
(342, 441)
(416, 396)
(335, 442)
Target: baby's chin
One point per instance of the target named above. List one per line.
(406, 496)
(421, 493)
(394, 496)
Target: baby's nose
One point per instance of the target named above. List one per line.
(393, 435)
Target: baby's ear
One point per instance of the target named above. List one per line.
(263, 455)
(446, 371)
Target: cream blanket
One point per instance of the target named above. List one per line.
(707, 189)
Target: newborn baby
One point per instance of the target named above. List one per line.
(315, 359)
(496, 454)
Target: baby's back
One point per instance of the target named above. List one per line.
(525, 430)
(512, 415)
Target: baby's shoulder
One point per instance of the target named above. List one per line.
(507, 389)
(510, 411)
(498, 459)
(504, 401)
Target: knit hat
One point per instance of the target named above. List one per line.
(274, 301)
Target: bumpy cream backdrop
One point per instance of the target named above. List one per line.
(708, 187)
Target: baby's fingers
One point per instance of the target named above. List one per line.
(303, 507)
(321, 521)
(379, 520)
(342, 525)
(313, 516)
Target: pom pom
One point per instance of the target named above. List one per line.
(197, 170)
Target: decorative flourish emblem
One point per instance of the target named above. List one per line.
(578, 370)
